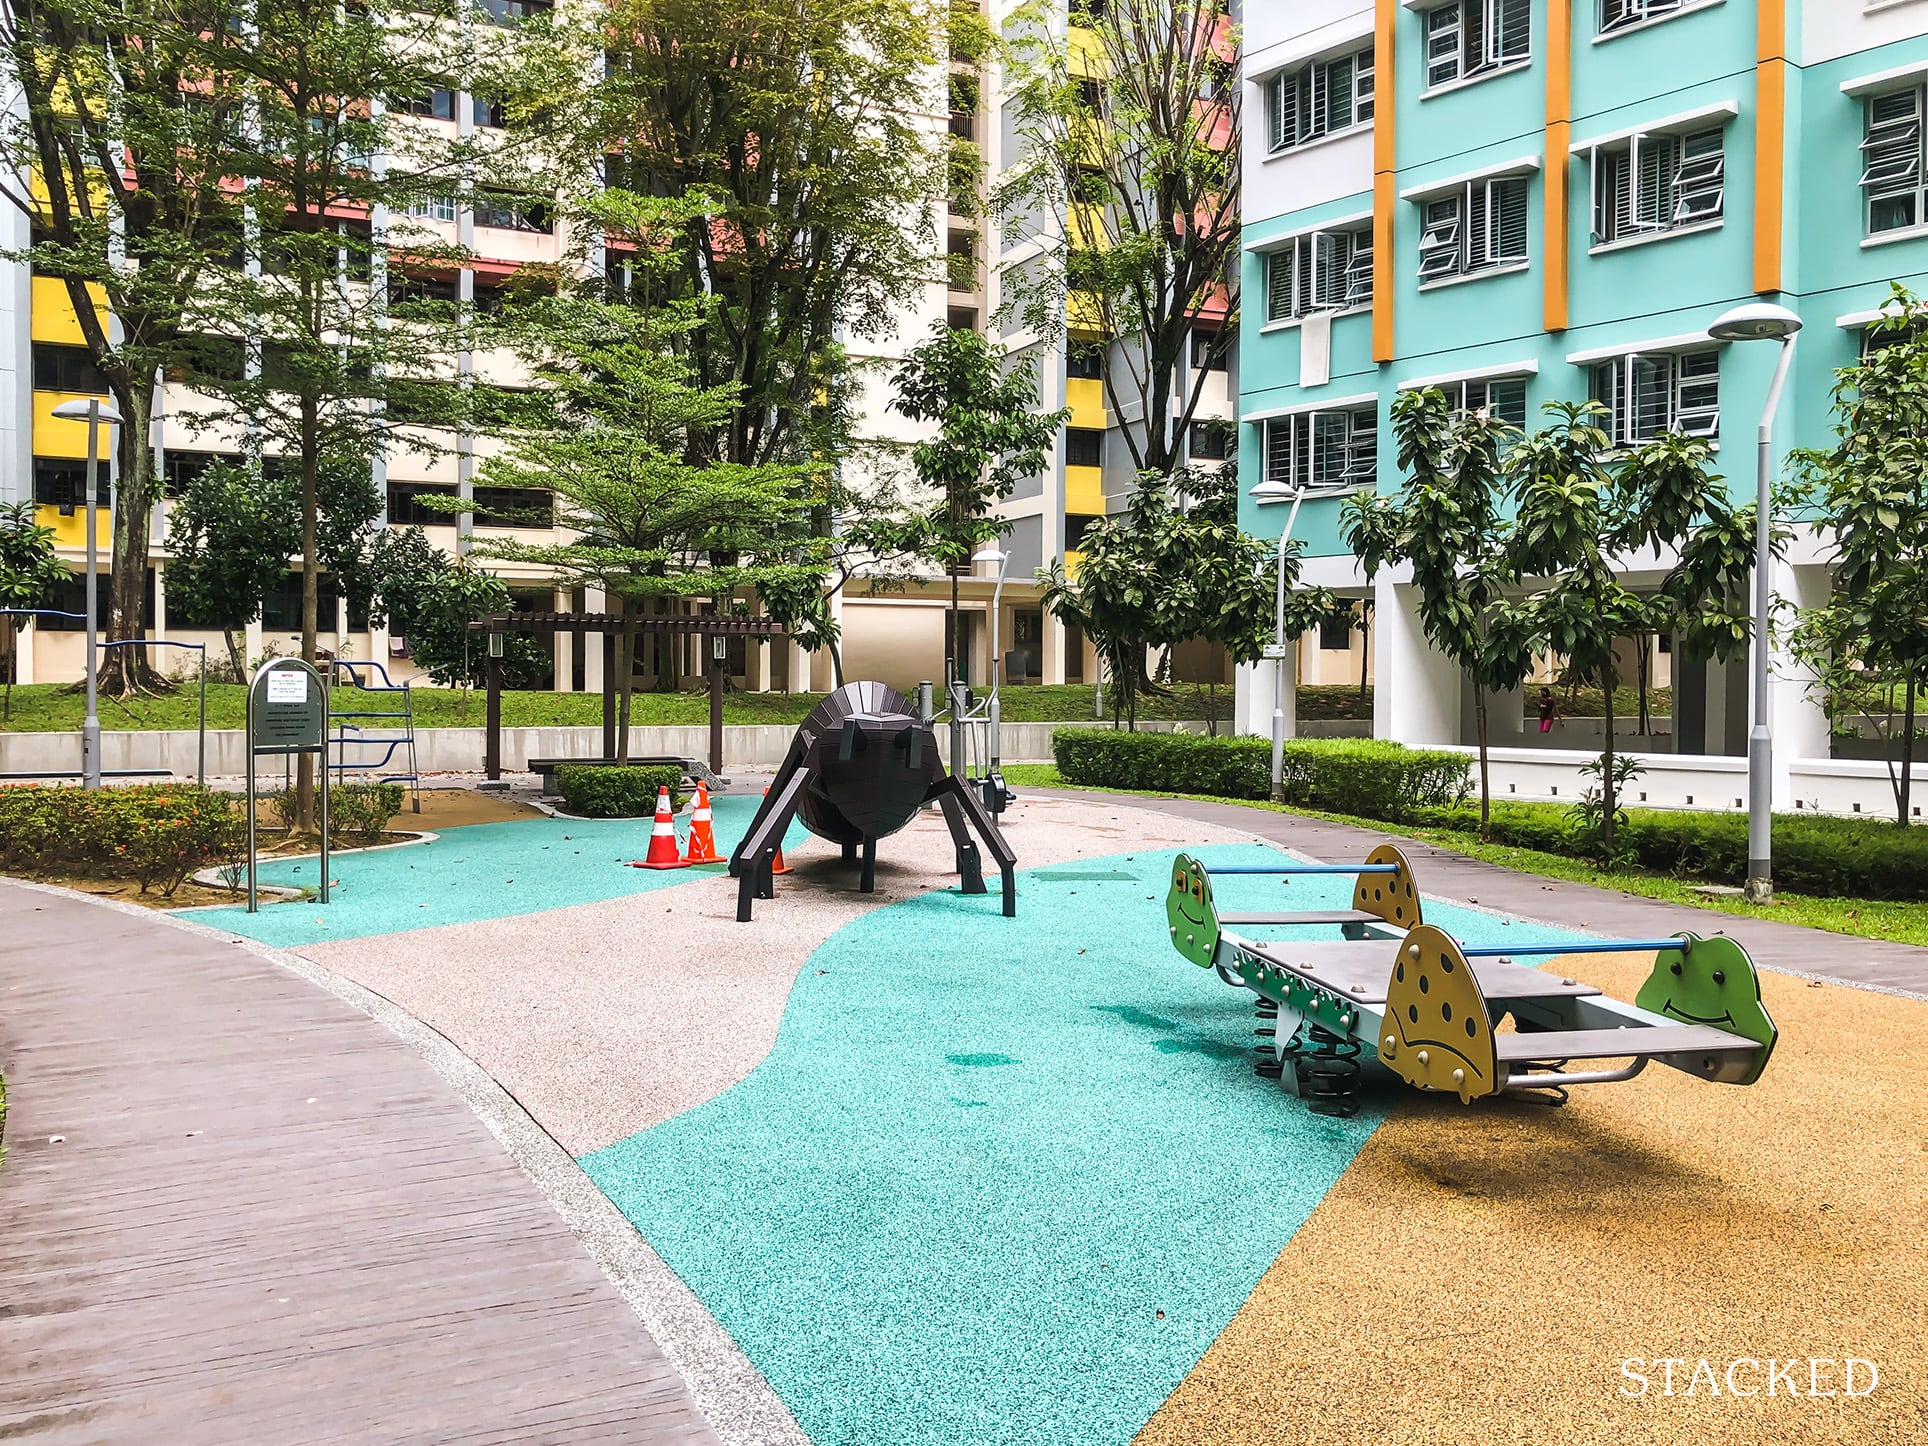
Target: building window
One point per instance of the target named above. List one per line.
(489, 114)
(1320, 99)
(61, 482)
(430, 208)
(1619, 14)
(512, 213)
(66, 369)
(1476, 228)
(438, 104)
(1467, 38)
(1085, 360)
(1323, 449)
(1503, 397)
(405, 505)
(514, 507)
(1320, 271)
(1335, 635)
(1209, 442)
(1084, 447)
(1076, 525)
(1650, 394)
(513, 12)
(1654, 183)
(1891, 152)
(1209, 349)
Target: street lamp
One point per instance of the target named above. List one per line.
(1265, 492)
(96, 413)
(1761, 321)
(990, 553)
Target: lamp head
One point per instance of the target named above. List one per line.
(1755, 321)
(82, 409)
(1272, 491)
(989, 554)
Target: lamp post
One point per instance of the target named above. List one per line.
(1762, 321)
(96, 413)
(991, 553)
(1275, 491)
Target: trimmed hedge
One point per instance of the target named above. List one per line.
(155, 834)
(592, 790)
(1360, 776)
(1813, 853)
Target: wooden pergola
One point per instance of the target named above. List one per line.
(610, 626)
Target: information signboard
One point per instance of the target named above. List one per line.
(288, 714)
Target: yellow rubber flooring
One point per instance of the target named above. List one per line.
(1481, 1273)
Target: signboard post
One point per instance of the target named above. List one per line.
(287, 714)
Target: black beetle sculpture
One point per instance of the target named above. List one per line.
(860, 767)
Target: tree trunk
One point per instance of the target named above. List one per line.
(1643, 726)
(950, 635)
(125, 671)
(310, 591)
(836, 666)
(12, 654)
(1485, 778)
(1907, 749)
(235, 638)
(1365, 654)
(1606, 768)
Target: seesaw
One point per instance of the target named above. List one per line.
(1430, 1007)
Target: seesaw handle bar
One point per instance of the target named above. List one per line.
(1586, 946)
(1302, 869)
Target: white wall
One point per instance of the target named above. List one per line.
(1833, 28)
(1274, 37)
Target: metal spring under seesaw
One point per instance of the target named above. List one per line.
(1270, 1065)
(1328, 1071)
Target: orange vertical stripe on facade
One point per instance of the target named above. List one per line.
(1384, 191)
(1559, 118)
(1770, 143)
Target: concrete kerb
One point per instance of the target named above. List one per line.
(731, 1392)
(211, 878)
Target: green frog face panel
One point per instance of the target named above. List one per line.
(1712, 981)
(1189, 911)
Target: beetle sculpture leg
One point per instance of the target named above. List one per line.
(754, 856)
(970, 863)
(956, 798)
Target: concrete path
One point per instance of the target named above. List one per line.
(235, 1209)
(1788, 947)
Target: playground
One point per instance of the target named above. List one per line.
(911, 1171)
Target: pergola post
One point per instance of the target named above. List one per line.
(492, 744)
(718, 645)
(609, 695)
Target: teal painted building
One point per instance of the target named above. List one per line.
(1525, 202)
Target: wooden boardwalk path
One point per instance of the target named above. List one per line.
(268, 1220)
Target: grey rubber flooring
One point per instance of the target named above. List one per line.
(1440, 871)
(267, 1220)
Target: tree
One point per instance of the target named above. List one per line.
(30, 572)
(798, 127)
(1579, 509)
(1156, 575)
(1128, 178)
(1447, 526)
(231, 532)
(129, 122)
(1870, 491)
(424, 595)
(989, 437)
(646, 514)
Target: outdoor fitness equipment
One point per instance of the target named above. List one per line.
(1430, 1007)
(858, 769)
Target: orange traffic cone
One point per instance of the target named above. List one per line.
(662, 839)
(778, 866)
(702, 844)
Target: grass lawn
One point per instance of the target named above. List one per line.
(1905, 923)
(52, 708)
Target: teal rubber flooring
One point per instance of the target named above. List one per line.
(1000, 1181)
(480, 871)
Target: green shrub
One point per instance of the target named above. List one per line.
(362, 812)
(591, 790)
(357, 812)
(155, 834)
(1813, 853)
(1371, 778)
(1359, 776)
